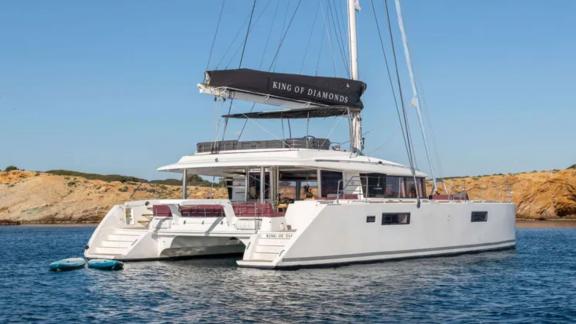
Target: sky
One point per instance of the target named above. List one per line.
(110, 86)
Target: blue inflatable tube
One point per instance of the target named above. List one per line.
(67, 264)
(105, 264)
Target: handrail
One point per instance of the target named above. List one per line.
(352, 181)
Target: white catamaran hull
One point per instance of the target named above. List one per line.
(312, 233)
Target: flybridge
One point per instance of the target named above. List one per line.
(302, 96)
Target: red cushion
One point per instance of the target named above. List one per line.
(162, 210)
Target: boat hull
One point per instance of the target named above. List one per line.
(355, 232)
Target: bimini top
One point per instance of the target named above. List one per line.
(229, 162)
(301, 96)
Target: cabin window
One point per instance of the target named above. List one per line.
(370, 219)
(479, 216)
(254, 185)
(330, 182)
(373, 184)
(410, 187)
(393, 187)
(297, 185)
(395, 218)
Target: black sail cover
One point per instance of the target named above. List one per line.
(315, 96)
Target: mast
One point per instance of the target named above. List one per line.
(356, 144)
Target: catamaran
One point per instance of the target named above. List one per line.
(303, 201)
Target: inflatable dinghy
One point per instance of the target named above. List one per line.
(67, 264)
(105, 264)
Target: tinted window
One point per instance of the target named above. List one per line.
(370, 219)
(393, 187)
(410, 188)
(373, 184)
(479, 216)
(330, 182)
(395, 218)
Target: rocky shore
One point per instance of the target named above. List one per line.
(29, 197)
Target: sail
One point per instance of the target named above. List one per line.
(334, 96)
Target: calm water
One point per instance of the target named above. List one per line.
(535, 283)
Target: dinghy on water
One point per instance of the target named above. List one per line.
(105, 264)
(67, 264)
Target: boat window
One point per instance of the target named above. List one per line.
(377, 185)
(393, 187)
(410, 187)
(395, 218)
(373, 184)
(254, 186)
(330, 182)
(297, 185)
(370, 219)
(479, 216)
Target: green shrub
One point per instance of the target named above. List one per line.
(11, 168)
(573, 166)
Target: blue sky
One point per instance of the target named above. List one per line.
(110, 86)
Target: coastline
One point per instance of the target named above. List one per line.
(520, 223)
(548, 223)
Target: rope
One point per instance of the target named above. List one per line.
(215, 34)
(410, 148)
(270, 29)
(389, 74)
(284, 35)
(239, 65)
(338, 36)
(306, 49)
(247, 34)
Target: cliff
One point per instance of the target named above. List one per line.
(537, 195)
(28, 197)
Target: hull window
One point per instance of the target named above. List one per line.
(479, 216)
(395, 218)
(370, 219)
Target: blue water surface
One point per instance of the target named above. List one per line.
(534, 283)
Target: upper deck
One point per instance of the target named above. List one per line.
(225, 161)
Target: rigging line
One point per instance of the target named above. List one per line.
(342, 26)
(246, 121)
(284, 35)
(264, 129)
(328, 40)
(405, 117)
(239, 66)
(415, 97)
(239, 30)
(215, 33)
(410, 148)
(389, 74)
(334, 125)
(261, 61)
(269, 35)
(283, 135)
(247, 34)
(309, 38)
(321, 46)
(338, 37)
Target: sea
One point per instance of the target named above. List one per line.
(536, 283)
